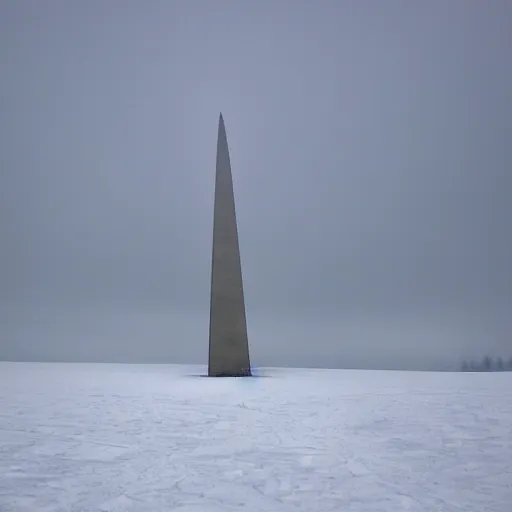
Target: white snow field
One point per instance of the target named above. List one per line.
(106, 437)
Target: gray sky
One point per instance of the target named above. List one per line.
(371, 146)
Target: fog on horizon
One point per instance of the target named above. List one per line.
(371, 153)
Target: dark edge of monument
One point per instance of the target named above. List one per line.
(245, 373)
(249, 374)
(245, 376)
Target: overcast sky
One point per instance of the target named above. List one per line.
(371, 147)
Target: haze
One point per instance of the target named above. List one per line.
(371, 153)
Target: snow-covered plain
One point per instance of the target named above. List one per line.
(104, 437)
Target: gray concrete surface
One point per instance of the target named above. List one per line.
(228, 347)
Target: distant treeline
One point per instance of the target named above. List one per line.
(487, 364)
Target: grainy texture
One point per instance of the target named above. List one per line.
(228, 347)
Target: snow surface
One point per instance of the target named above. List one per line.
(104, 437)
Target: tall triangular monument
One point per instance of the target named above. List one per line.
(228, 347)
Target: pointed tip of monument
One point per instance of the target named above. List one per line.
(221, 123)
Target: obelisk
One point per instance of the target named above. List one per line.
(228, 347)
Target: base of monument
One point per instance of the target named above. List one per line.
(253, 374)
(244, 373)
